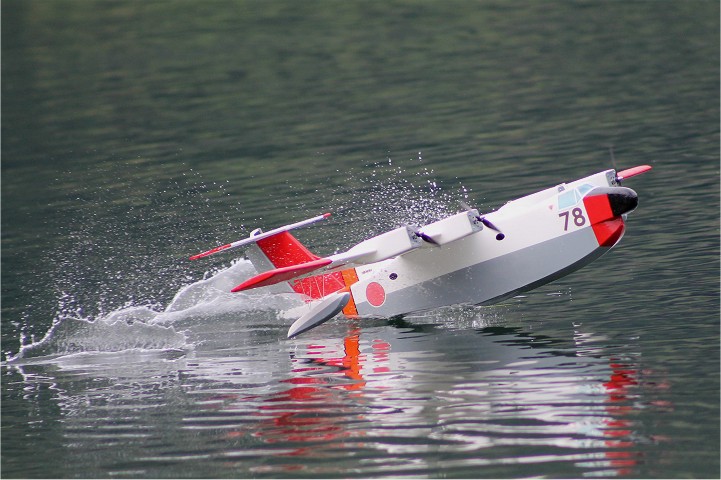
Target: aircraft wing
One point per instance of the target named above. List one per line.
(382, 247)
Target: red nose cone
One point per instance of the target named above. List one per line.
(605, 207)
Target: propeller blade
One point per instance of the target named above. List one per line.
(423, 236)
(613, 157)
(427, 238)
(484, 221)
(488, 223)
(320, 313)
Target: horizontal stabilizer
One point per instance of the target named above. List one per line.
(283, 274)
(320, 313)
(261, 236)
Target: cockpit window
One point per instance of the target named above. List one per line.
(583, 189)
(566, 200)
(572, 197)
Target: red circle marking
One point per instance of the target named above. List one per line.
(375, 294)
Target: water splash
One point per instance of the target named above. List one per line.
(147, 328)
(153, 316)
(72, 335)
(387, 195)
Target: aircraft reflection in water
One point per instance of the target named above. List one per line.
(377, 394)
(384, 400)
(387, 399)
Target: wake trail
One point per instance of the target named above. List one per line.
(144, 328)
(386, 197)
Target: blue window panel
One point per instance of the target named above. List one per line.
(583, 189)
(567, 200)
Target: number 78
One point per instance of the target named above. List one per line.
(578, 219)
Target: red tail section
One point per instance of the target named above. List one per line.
(284, 250)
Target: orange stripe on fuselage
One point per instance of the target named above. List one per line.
(350, 277)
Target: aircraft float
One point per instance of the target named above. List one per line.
(466, 258)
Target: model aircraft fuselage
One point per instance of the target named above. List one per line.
(466, 258)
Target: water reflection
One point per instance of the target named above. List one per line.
(618, 427)
(382, 400)
(322, 398)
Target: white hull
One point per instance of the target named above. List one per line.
(542, 243)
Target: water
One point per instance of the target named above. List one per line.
(136, 134)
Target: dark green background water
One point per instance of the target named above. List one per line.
(137, 133)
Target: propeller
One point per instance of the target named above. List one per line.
(485, 221)
(423, 236)
(613, 157)
(426, 238)
(629, 172)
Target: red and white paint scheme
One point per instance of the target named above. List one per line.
(466, 258)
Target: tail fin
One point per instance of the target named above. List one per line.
(284, 250)
(277, 248)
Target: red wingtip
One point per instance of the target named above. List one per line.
(210, 252)
(630, 172)
(326, 215)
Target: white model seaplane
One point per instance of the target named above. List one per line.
(466, 258)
